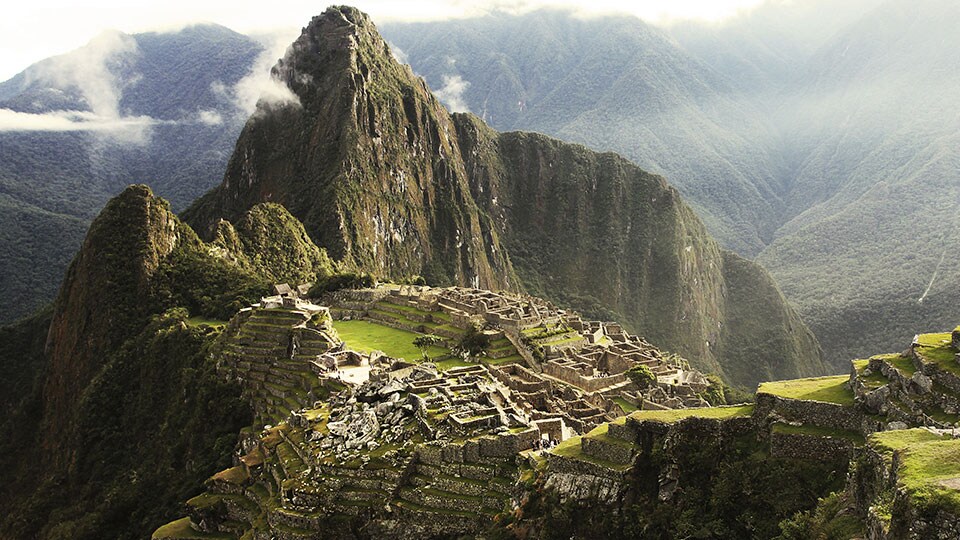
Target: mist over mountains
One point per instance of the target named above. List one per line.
(161, 108)
(823, 146)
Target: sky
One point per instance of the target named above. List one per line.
(37, 29)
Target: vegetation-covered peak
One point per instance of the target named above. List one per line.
(270, 242)
(102, 295)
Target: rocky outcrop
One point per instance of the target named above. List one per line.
(389, 182)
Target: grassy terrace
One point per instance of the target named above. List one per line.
(365, 336)
(625, 405)
(505, 360)
(901, 362)
(815, 431)
(233, 475)
(204, 321)
(935, 348)
(829, 389)
(602, 433)
(930, 469)
(675, 415)
(571, 449)
(873, 380)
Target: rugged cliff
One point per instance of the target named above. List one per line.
(388, 181)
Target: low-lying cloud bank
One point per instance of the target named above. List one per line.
(71, 121)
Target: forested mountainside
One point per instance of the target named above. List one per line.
(389, 182)
(154, 107)
(115, 413)
(826, 149)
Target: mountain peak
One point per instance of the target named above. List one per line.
(340, 41)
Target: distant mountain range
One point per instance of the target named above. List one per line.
(825, 148)
(159, 108)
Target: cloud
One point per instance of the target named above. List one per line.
(210, 118)
(91, 70)
(259, 85)
(451, 94)
(87, 78)
(72, 121)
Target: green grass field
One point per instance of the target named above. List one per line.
(365, 336)
(199, 321)
(625, 405)
(936, 348)
(830, 389)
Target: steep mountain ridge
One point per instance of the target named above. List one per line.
(100, 301)
(367, 160)
(389, 182)
(617, 84)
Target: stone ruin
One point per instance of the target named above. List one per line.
(388, 440)
(565, 368)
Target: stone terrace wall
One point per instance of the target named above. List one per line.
(797, 446)
(584, 481)
(816, 413)
(572, 376)
(870, 479)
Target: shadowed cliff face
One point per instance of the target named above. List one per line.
(100, 301)
(389, 182)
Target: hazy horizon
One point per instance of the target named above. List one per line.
(34, 31)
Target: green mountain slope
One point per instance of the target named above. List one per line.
(840, 132)
(389, 182)
(114, 411)
(877, 184)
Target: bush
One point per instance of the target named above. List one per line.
(426, 341)
(342, 280)
(473, 342)
(641, 376)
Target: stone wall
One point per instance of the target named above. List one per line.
(573, 376)
(815, 413)
(583, 481)
(799, 446)
(938, 374)
(874, 479)
(620, 452)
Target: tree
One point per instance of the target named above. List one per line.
(426, 341)
(473, 342)
(641, 376)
